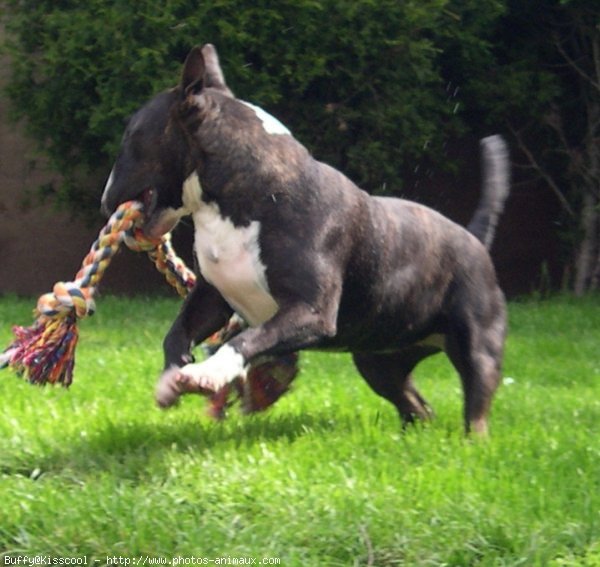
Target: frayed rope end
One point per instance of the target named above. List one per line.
(45, 352)
(267, 381)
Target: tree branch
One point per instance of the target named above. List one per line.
(545, 175)
(573, 64)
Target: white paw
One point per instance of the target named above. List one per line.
(217, 371)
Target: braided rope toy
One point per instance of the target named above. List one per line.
(45, 352)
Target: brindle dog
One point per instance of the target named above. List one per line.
(308, 259)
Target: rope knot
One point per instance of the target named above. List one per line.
(67, 298)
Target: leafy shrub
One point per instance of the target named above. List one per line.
(358, 81)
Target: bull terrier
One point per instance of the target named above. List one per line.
(304, 256)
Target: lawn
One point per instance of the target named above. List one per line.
(325, 478)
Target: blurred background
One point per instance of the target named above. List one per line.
(395, 94)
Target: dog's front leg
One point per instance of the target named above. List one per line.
(204, 312)
(290, 329)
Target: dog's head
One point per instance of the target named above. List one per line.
(157, 151)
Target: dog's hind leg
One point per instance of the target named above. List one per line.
(389, 375)
(476, 353)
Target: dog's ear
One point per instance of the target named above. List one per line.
(192, 78)
(213, 74)
(202, 69)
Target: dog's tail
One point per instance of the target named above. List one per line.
(495, 189)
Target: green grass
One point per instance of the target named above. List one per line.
(325, 478)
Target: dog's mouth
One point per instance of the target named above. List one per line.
(151, 226)
(157, 220)
(148, 198)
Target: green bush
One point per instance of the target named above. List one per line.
(359, 82)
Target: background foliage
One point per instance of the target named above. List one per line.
(359, 82)
(542, 84)
(374, 87)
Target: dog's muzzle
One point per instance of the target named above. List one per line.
(149, 198)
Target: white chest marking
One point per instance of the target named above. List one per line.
(229, 258)
(270, 123)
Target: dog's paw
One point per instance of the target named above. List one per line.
(216, 372)
(168, 388)
(175, 382)
(205, 377)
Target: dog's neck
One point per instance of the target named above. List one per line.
(240, 136)
(242, 156)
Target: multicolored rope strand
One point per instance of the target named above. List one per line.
(45, 352)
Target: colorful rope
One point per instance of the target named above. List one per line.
(45, 352)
